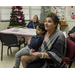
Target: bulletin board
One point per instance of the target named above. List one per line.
(59, 10)
(71, 13)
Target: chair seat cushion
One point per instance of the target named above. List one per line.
(66, 59)
(70, 48)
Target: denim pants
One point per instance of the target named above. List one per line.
(23, 51)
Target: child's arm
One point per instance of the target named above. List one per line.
(37, 41)
(29, 41)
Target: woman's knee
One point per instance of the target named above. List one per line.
(26, 58)
(22, 58)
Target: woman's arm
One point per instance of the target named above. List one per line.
(39, 54)
(47, 56)
(28, 24)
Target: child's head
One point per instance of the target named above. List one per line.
(40, 29)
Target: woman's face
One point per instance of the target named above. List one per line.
(34, 19)
(49, 24)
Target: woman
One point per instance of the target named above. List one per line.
(33, 23)
(53, 48)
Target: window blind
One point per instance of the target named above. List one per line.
(29, 12)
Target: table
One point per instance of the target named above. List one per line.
(20, 32)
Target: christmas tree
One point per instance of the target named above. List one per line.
(17, 17)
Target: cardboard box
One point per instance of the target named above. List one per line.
(62, 22)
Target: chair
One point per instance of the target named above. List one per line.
(10, 40)
(70, 54)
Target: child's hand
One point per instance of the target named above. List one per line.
(31, 51)
(29, 41)
(35, 54)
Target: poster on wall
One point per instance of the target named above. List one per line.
(71, 13)
(59, 10)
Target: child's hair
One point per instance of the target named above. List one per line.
(41, 26)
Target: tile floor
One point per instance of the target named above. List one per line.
(8, 61)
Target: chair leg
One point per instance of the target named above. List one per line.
(2, 52)
(19, 47)
(70, 64)
(8, 51)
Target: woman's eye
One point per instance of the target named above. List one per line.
(49, 21)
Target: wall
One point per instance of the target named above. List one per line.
(4, 25)
(69, 23)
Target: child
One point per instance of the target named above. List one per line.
(35, 43)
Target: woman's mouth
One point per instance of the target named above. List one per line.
(46, 26)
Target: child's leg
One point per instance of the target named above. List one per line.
(23, 51)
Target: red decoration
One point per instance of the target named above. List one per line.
(23, 15)
(74, 16)
(12, 18)
(71, 6)
(55, 7)
(14, 6)
(21, 6)
(16, 12)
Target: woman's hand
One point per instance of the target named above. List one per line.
(25, 27)
(72, 35)
(35, 54)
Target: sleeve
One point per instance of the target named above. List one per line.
(71, 31)
(28, 24)
(57, 51)
(37, 41)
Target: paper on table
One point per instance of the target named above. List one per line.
(21, 30)
(34, 33)
(14, 30)
(25, 30)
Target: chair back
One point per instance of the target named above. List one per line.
(70, 48)
(8, 39)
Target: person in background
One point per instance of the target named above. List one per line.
(71, 34)
(32, 24)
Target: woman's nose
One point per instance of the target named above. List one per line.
(46, 23)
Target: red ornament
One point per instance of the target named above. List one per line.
(14, 6)
(71, 6)
(21, 6)
(55, 7)
(16, 12)
(23, 15)
(12, 18)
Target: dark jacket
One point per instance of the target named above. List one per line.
(36, 42)
(71, 31)
(30, 24)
